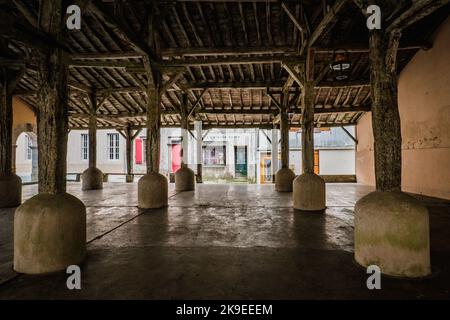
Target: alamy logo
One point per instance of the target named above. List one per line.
(374, 281)
(374, 19)
(74, 280)
(74, 19)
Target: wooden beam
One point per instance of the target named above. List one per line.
(106, 55)
(327, 21)
(232, 85)
(94, 6)
(319, 109)
(228, 61)
(292, 17)
(275, 101)
(196, 103)
(105, 64)
(11, 63)
(79, 86)
(25, 10)
(365, 49)
(418, 10)
(350, 135)
(170, 82)
(231, 126)
(294, 75)
(36, 38)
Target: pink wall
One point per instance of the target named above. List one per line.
(424, 104)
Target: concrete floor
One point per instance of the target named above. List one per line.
(223, 242)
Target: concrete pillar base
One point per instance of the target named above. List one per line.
(129, 178)
(309, 192)
(49, 233)
(184, 179)
(283, 180)
(153, 191)
(10, 190)
(92, 179)
(392, 232)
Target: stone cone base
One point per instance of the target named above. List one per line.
(392, 232)
(284, 179)
(153, 191)
(10, 190)
(92, 179)
(184, 179)
(309, 192)
(49, 233)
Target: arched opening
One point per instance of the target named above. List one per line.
(26, 156)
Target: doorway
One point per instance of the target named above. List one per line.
(176, 157)
(240, 161)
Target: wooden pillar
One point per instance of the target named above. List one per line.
(129, 137)
(52, 119)
(199, 134)
(387, 221)
(308, 127)
(93, 131)
(52, 122)
(13, 157)
(184, 129)
(284, 130)
(274, 151)
(50, 228)
(6, 123)
(153, 130)
(129, 150)
(385, 114)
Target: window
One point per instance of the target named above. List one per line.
(29, 150)
(113, 146)
(214, 155)
(84, 146)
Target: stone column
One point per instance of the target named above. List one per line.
(10, 183)
(274, 151)
(56, 237)
(199, 157)
(309, 188)
(285, 176)
(92, 177)
(153, 187)
(391, 227)
(184, 177)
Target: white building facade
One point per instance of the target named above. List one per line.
(228, 155)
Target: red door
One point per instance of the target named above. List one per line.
(176, 157)
(138, 151)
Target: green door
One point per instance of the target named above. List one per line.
(240, 161)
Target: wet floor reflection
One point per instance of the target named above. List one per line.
(309, 228)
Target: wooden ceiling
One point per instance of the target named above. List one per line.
(231, 57)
